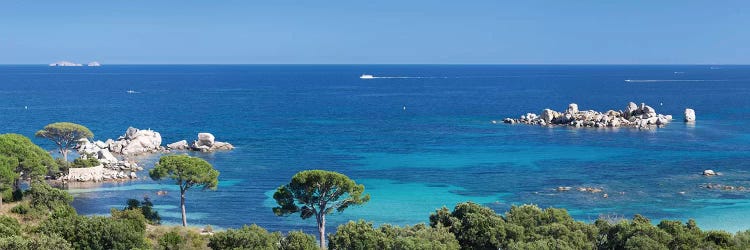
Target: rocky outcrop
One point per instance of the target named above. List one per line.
(136, 141)
(689, 115)
(94, 64)
(111, 167)
(206, 142)
(709, 172)
(642, 116)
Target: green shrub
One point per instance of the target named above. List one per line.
(36, 242)
(22, 208)
(298, 240)
(171, 240)
(90, 161)
(9, 226)
(146, 207)
(247, 237)
(362, 235)
(122, 231)
(43, 196)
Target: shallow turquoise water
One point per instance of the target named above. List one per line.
(442, 149)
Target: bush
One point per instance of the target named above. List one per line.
(298, 240)
(122, 231)
(43, 196)
(362, 235)
(248, 237)
(476, 226)
(37, 242)
(9, 226)
(90, 161)
(146, 207)
(22, 208)
(171, 240)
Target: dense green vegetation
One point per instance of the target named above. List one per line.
(318, 193)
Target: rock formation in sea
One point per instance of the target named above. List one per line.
(111, 166)
(636, 116)
(136, 141)
(65, 64)
(206, 142)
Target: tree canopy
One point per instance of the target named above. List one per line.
(65, 135)
(187, 172)
(318, 193)
(33, 161)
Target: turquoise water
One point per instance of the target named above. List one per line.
(442, 149)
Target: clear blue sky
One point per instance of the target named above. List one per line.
(379, 31)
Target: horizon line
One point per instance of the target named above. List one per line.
(363, 64)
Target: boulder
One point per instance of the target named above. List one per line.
(689, 115)
(547, 115)
(631, 109)
(572, 108)
(205, 139)
(222, 146)
(709, 172)
(106, 157)
(180, 145)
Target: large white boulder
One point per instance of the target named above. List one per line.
(205, 139)
(572, 108)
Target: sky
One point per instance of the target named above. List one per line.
(375, 32)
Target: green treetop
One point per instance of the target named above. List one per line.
(318, 193)
(31, 160)
(187, 172)
(65, 135)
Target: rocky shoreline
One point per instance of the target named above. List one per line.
(116, 157)
(636, 116)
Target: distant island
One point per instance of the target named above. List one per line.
(72, 64)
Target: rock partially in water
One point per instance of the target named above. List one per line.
(709, 172)
(136, 141)
(642, 116)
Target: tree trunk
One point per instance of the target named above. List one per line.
(182, 205)
(64, 153)
(322, 230)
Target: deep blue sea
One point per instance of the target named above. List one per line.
(418, 140)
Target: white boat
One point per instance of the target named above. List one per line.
(365, 76)
(132, 92)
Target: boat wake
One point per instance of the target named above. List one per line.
(674, 80)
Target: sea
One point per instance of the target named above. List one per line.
(419, 137)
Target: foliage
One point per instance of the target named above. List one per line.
(187, 172)
(476, 226)
(146, 207)
(362, 235)
(8, 176)
(65, 135)
(298, 240)
(45, 197)
(318, 193)
(121, 231)
(21, 208)
(85, 163)
(36, 242)
(183, 238)
(247, 237)
(171, 240)
(32, 160)
(9, 226)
